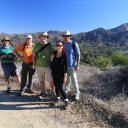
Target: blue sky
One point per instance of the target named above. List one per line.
(24, 16)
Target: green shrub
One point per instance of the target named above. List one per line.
(89, 52)
(120, 59)
(101, 62)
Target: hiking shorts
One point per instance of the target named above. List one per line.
(10, 70)
(44, 73)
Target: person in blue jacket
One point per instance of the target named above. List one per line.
(73, 56)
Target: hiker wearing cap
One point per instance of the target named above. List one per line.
(7, 62)
(41, 59)
(73, 55)
(27, 70)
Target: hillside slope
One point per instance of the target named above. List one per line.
(117, 36)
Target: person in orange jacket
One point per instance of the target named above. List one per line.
(27, 65)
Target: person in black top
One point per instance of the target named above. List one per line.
(59, 71)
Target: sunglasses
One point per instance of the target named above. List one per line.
(5, 40)
(45, 36)
(59, 45)
(28, 46)
(66, 36)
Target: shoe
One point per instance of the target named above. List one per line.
(8, 90)
(52, 95)
(21, 93)
(42, 94)
(77, 97)
(56, 102)
(29, 91)
(66, 106)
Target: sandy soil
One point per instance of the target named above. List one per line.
(30, 111)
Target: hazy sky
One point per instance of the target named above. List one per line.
(24, 16)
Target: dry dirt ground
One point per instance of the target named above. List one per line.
(31, 112)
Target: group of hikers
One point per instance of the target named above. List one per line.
(58, 65)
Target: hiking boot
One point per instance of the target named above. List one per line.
(29, 91)
(52, 95)
(21, 93)
(42, 94)
(56, 102)
(66, 106)
(77, 97)
(8, 90)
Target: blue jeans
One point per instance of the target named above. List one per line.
(72, 77)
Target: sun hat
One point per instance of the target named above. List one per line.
(28, 36)
(44, 34)
(5, 38)
(66, 33)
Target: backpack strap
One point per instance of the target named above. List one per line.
(24, 46)
(42, 48)
(74, 47)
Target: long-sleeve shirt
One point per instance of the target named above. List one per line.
(71, 55)
(7, 51)
(43, 59)
(59, 66)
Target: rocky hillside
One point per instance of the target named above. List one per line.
(118, 35)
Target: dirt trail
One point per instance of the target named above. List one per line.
(31, 112)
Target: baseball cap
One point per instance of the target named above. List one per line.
(28, 36)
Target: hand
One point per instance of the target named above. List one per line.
(33, 66)
(77, 68)
(4, 56)
(52, 56)
(65, 79)
(10, 56)
(22, 58)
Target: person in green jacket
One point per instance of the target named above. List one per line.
(41, 60)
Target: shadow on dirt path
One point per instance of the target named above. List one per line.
(27, 102)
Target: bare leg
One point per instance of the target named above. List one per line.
(7, 82)
(52, 86)
(42, 85)
(42, 94)
(8, 85)
(18, 80)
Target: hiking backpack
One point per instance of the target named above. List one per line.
(74, 48)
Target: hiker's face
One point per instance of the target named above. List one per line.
(29, 40)
(67, 38)
(43, 39)
(59, 46)
(6, 43)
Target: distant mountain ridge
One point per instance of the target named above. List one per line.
(117, 35)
